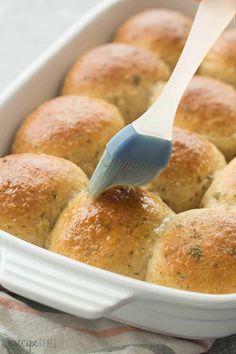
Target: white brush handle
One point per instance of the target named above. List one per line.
(211, 19)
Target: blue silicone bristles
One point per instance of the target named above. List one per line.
(130, 158)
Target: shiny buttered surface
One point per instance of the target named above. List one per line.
(128, 230)
(122, 74)
(115, 232)
(34, 189)
(196, 251)
(193, 164)
(76, 128)
(161, 31)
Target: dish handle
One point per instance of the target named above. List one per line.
(58, 281)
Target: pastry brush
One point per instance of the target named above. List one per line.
(142, 149)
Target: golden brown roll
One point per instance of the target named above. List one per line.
(119, 73)
(194, 161)
(222, 192)
(76, 128)
(34, 189)
(220, 63)
(196, 251)
(208, 107)
(162, 31)
(156, 92)
(115, 232)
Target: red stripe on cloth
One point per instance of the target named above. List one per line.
(206, 347)
(111, 332)
(16, 306)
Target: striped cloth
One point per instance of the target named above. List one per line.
(28, 327)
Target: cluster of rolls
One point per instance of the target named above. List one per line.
(179, 230)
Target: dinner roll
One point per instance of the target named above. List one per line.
(34, 189)
(222, 192)
(156, 92)
(221, 60)
(196, 251)
(119, 73)
(115, 232)
(162, 31)
(76, 128)
(208, 107)
(193, 163)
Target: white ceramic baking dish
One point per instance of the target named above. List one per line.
(71, 286)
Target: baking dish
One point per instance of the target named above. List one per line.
(71, 286)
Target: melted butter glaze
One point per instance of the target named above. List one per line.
(116, 231)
